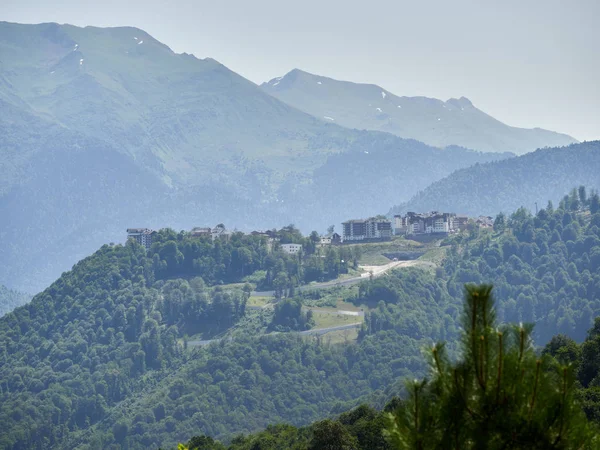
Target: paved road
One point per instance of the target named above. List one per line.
(376, 270)
(312, 332)
(320, 331)
(337, 312)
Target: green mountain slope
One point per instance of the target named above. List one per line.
(102, 129)
(173, 113)
(98, 358)
(437, 123)
(509, 184)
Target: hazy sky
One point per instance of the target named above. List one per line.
(527, 62)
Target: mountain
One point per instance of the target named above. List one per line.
(433, 121)
(10, 299)
(486, 189)
(102, 129)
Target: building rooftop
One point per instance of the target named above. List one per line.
(138, 230)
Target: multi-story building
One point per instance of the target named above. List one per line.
(218, 232)
(367, 229)
(200, 231)
(142, 236)
(330, 239)
(291, 249)
(421, 223)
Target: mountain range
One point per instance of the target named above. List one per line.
(433, 121)
(102, 129)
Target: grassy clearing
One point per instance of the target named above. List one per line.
(329, 298)
(435, 255)
(258, 301)
(326, 320)
(337, 337)
(341, 305)
(373, 251)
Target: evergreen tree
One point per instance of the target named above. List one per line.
(594, 203)
(582, 195)
(500, 223)
(500, 395)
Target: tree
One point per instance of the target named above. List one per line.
(574, 202)
(330, 435)
(500, 223)
(500, 395)
(594, 203)
(582, 195)
(203, 443)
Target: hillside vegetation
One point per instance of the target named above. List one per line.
(511, 183)
(500, 394)
(100, 357)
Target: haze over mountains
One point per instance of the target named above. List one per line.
(433, 121)
(106, 128)
(486, 189)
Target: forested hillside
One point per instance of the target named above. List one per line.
(545, 267)
(571, 373)
(10, 299)
(486, 189)
(102, 358)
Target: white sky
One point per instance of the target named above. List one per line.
(528, 62)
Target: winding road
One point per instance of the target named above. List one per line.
(376, 271)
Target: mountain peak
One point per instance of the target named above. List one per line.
(368, 106)
(460, 102)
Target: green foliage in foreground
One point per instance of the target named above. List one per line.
(501, 394)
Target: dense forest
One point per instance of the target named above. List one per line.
(100, 358)
(253, 258)
(10, 299)
(488, 188)
(545, 267)
(555, 405)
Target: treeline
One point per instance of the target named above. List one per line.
(361, 428)
(239, 257)
(98, 358)
(545, 267)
